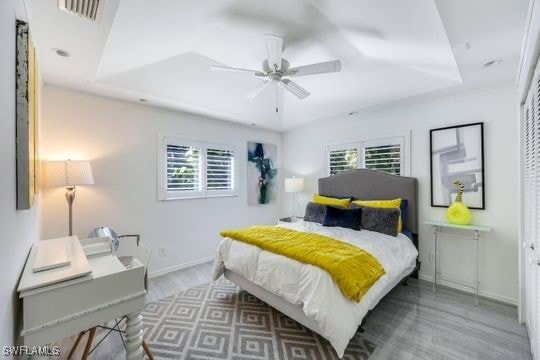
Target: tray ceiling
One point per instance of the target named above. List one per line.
(161, 50)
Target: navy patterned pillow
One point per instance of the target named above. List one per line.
(346, 218)
(315, 212)
(381, 220)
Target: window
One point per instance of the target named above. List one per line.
(183, 164)
(342, 160)
(219, 170)
(191, 169)
(384, 154)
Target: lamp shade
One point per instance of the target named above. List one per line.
(69, 173)
(294, 184)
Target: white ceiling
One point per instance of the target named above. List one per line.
(391, 50)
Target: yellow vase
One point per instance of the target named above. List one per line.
(458, 213)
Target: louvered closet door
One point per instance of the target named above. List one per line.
(531, 207)
(534, 249)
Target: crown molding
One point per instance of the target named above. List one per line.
(408, 104)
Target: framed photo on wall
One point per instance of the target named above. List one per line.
(457, 153)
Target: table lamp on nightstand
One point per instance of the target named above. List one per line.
(70, 174)
(294, 185)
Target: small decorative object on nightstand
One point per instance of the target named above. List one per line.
(476, 229)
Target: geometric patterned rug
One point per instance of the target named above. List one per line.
(220, 321)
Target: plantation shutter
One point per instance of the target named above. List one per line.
(383, 154)
(183, 168)
(195, 169)
(342, 160)
(385, 158)
(219, 169)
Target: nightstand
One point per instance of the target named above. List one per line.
(475, 229)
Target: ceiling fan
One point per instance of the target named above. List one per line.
(276, 70)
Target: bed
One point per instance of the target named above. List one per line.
(307, 293)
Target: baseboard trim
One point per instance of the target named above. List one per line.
(170, 269)
(486, 294)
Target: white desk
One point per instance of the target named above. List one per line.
(475, 229)
(92, 290)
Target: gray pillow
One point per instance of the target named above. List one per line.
(381, 220)
(315, 212)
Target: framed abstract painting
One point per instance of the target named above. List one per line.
(262, 180)
(457, 153)
(27, 92)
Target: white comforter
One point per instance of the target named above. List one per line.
(338, 317)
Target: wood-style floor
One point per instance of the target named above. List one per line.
(414, 323)
(410, 323)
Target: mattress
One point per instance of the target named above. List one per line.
(336, 316)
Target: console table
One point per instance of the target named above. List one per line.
(475, 230)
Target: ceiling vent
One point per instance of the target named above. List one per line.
(88, 9)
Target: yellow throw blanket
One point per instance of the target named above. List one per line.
(352, 268)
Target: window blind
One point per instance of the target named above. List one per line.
(195, 169)
(183, 163)
(385, 158)
(383, 154)
(219, 169)
(342, 160)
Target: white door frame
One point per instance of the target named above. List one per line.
(521, 230)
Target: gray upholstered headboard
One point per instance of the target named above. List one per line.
(366, 184)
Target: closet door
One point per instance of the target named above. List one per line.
(530, 252)
(531, 210)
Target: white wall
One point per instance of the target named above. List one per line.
(19, 228)
(303, 156)
(120, 139)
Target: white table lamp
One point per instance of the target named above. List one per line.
(70, 174)
(294, 185)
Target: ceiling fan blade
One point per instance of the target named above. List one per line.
(274, 48)
(236, 70)
(296, 89)
(256, 92)
(319, 68)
